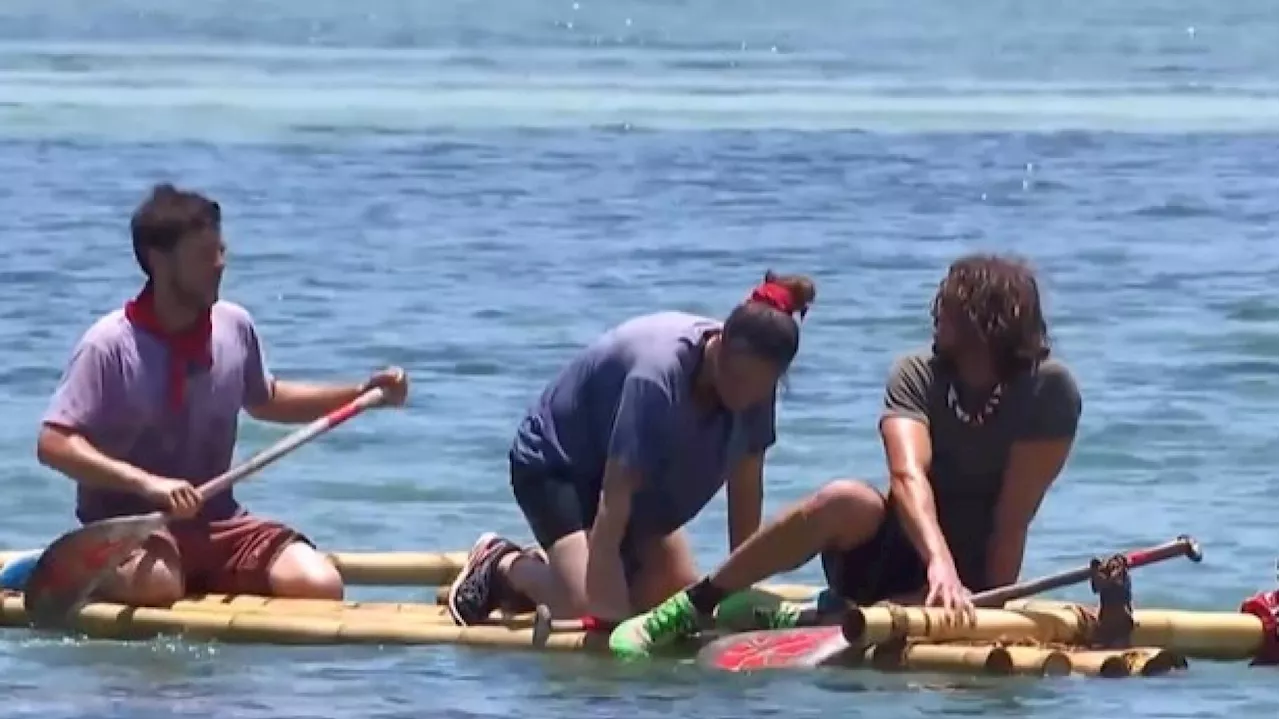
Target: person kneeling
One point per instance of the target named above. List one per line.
(628, 444)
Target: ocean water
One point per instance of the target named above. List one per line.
(471, 189)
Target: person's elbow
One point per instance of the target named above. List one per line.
(54, 446)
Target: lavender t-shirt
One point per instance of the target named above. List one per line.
(114, 393)
(628, 396)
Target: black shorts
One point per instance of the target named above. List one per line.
(884, 566)
(888, 565)
(555, 506)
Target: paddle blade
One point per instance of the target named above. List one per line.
(71, 568)
(798, 648)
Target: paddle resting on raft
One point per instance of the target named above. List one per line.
(70, 569)
(811, 646)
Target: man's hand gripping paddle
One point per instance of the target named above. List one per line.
(71, 568)
(806, 647)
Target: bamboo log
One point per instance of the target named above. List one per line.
(250, 603)
(1227, 636)
(882, 623)
(769, 593)
(395, 612)
(1223, 636)
(1038, 661)
(1116, 663)
(949, 658)
(116, 621)
(392, 569)
(992, 659)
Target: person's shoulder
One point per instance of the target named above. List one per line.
(919, 366)
(232, 313)
(1054, 382)
(1055, 374)
(658, 345)
(107, 334)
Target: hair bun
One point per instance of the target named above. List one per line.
(786, 293)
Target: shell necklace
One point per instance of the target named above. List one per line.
(984, 414)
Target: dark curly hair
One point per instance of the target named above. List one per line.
(995, 301)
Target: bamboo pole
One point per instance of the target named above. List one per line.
(250, 603)
(116, 621)
(1116, 663)
(1227, 636)
(769, 593)
(1223, 636)
(967, 658)
(1038, 661)
(391, 569)
(948, 658)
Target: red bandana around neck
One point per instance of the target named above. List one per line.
(187, 347)
(776, 296)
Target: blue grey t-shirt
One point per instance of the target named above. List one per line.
(628, 395)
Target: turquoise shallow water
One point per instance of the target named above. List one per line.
(473, 189)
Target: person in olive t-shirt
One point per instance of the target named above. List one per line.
(975, 430)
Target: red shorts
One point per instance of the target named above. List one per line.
(229, 556)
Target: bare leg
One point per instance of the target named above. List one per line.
(666, 567)
(843, 514)
(302, 572)
(151, 577)
(560, 583)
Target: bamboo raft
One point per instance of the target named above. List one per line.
(1028, 637)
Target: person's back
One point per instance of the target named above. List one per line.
(557, 433)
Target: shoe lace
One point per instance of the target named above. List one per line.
(671, 618)
(784, 616)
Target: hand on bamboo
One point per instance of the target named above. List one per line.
(946, 590)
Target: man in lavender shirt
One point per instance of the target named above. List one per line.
(147, 410)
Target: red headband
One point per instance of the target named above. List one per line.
(776, 296)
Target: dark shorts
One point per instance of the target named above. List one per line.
(229, 556)
(887, 565)
(555, 507)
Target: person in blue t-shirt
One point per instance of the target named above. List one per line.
(625, 446)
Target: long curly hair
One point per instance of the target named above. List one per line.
(996, 302)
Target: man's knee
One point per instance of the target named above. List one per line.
(152, 577)
(299, 571)
(846, 508)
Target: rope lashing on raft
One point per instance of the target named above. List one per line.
(1110, 580)
(1266, 607)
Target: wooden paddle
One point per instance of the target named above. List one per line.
(811, 646)
(71, 568)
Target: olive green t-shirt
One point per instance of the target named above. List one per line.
(968, 465)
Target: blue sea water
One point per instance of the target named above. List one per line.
(471, 189)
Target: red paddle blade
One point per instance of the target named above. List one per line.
(71, 568)
(798, 648)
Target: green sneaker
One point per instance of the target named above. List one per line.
(674, 620)
(746, 611)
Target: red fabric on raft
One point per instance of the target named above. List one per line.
(1266, 607)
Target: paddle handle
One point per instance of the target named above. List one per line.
(1182, 546)
(295, 439)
